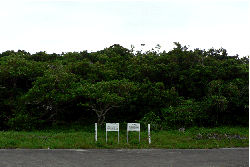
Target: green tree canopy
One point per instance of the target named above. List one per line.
(106, 95)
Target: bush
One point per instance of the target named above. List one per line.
(187, 114)
(152, 119)
(22, 121)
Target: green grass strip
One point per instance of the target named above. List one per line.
(84, 138)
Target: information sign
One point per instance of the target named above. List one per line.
(133, 127)
(112, 127)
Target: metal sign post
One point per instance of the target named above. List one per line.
(112, 127)
(133, 127)
(95, 131)
(149, 139)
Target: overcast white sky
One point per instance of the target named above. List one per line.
(67, 26)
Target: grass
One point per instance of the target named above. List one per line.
(82, 137)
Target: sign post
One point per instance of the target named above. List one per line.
(133, 127)
(95, 131)
(149, 139)
(112, 127)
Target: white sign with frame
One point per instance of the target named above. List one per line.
(133, 127)
(112, 127)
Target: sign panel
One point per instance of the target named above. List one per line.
(112, 127)
(133, 127)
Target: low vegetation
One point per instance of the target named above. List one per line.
(82, 137)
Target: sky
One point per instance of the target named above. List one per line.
(68, 26)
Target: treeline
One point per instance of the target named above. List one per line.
(179, 88)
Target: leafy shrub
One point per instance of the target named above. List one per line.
(22, 121)
(152, 119)
(187, 114)
(184, 115)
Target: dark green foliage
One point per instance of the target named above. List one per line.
(43, 57)
(106, 95)
(179, 88)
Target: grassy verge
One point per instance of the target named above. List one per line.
(83, 138)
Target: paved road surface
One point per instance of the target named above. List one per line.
(119, 158)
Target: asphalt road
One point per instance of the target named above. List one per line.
(135, 157)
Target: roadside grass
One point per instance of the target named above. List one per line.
(83, 137)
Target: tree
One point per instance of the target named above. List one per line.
(15, 69)
(103, 96)
(66, 87)
(43, 57)
(51, 91)
(16, 77)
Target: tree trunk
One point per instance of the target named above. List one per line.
(99, 120)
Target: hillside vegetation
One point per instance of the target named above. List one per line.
(179, 88)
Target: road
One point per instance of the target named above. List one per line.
(124, 157)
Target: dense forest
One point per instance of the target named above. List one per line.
(179, 88)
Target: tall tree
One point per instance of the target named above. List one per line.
(106, 95)
(52, 90)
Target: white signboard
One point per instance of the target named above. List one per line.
(133, 127)
(112, 127)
